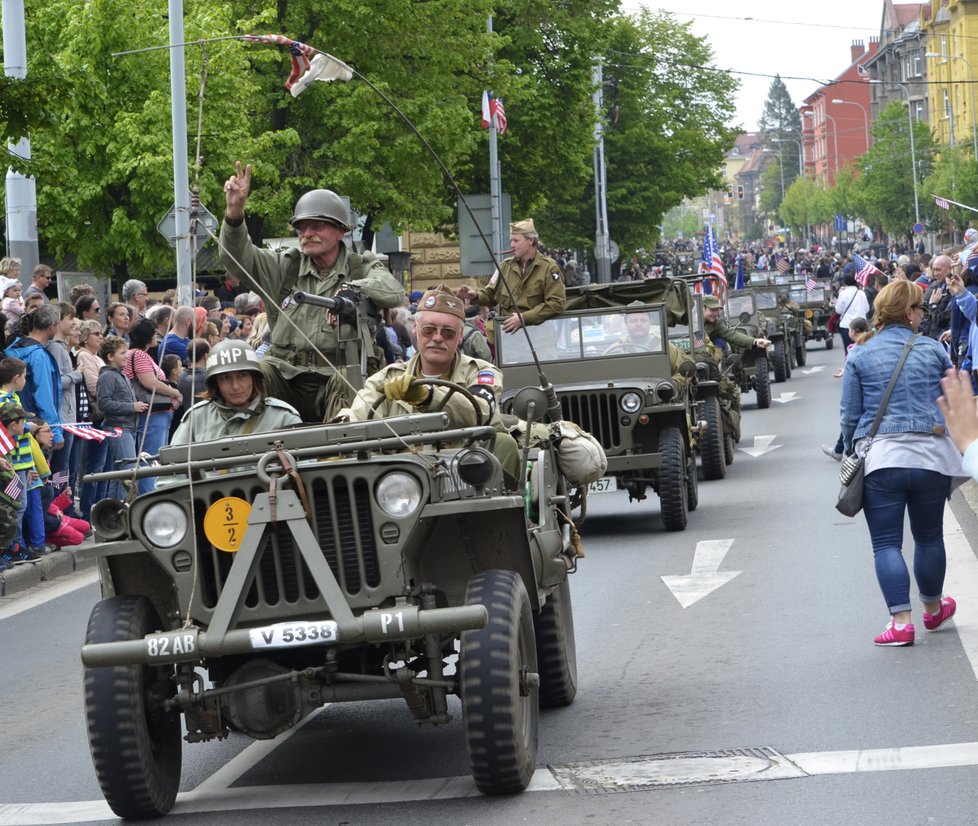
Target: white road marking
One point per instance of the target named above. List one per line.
(762, 445)
(811, 370)
(704, 578)
(43, 594)
(784, 398)
(961, 582)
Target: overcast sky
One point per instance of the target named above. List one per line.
(782, 38)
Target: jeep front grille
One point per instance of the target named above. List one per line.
(596, 413)
(343, 525)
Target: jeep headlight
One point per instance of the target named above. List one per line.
(165, 524)
(665, 390)
(631, 402)
(398, 494)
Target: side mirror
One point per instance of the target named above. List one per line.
(732, 360)
(687, 369)
(530, 404)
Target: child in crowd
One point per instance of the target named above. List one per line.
(172, 368)
(857, 327)
(119, 407)
(13, 304)
(14, 419)
(60, 529)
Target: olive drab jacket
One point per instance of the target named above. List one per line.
(280, 273)
(735, 338)
(538, 289)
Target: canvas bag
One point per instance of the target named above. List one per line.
(853, 469)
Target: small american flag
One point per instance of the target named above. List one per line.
(782, 264)
(866, 269)
(60, 479)
(7, 442)
(85, 431)
(942, 203)
(810, 283)
(14, 488)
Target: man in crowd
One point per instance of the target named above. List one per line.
(40, 281)
(178, 338)
(296, 368)
(42, 392)
(937, 298)
(136, 295)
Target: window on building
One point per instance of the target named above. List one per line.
(943, 48)
(918, 109)
(917, 64)
(946, 113)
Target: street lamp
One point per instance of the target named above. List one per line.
(913, 151)
(865, 115)
(801, 153)
(971, 83)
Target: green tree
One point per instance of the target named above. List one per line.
(954, 176)
(780, 124)
(805, 204)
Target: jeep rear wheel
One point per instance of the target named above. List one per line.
(801, 353)
(779, 358)
(500, 685)
(135, 742)
(711, 442)
(692, 486)
(557, 649)
(673, 492)
(728, 448)
(762, 382)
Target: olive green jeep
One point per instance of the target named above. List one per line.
(816, 307)
(774, 323)
(751, 368)
(607, 356)
(324, 564)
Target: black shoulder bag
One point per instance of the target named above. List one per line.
(853, 468)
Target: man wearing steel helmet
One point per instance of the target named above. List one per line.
(294, 369)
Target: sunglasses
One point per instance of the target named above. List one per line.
(447, 333)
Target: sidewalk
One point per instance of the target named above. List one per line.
(50, 566)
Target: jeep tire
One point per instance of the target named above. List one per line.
(556, 649)
(673, 491)
(711, 443)
(499, 685)
(801, 353)
(692, 485)
(780, 359)
(135, 742)
(762, 381)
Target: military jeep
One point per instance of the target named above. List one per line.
(775, 324)
(750, 368)
(816, 307)
(324, 564)
(620, 388)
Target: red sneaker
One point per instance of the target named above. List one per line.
(934, 621)
(896, 636)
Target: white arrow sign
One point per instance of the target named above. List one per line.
(811, 370)
(704, 577)
(784, 398)
(762, 445)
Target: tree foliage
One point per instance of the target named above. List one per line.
(954, 176)
(780, 125)
(805, 204)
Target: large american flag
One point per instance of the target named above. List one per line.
(712, 263)
(866, 269)
(493, 110)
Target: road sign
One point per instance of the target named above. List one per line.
(840, 222)
(206, 225)
(918, 229)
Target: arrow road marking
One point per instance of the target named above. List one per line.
(784, 398)
(811, 370)
(704, 577)
(762, 445)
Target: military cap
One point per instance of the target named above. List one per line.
(11, 411)
(441, 300)
(524, 227)
(712, 302)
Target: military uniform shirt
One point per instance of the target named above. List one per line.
(538, 289)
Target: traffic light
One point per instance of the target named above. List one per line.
(740, 192)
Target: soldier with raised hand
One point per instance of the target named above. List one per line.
(534, 279)
(323, 266)
(716, 327)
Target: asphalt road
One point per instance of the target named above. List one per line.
(761, 702)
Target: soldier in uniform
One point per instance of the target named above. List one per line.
(640, 332)
(438, 327)
(297, 370)
(717, 327)
(234, 404)
(534, 279)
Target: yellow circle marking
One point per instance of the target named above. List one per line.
(225, 523)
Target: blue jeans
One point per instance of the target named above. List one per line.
(117, 448)
(157, 436)
(887, 494)
(95, 454)
(60, 460)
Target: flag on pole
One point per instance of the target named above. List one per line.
(712, 263)
(739, 283)
(7, 442)
(86, 431)
(781, 262)
(308, 64)
(810, 283)
(486, 109)
(14, 488)
(493, 111)
(942, 203)
(866, 269)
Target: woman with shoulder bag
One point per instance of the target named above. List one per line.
(911, 466)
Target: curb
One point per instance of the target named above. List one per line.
(52, 566)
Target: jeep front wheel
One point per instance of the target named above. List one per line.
(801, 353)
(673, 492)
(557, 649)
(134, 740)
(762, 382)
(779, 358)
(711, 443)
(500, 685)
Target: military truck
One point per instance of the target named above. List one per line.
(816, 308)
(720, 429)
(323, 564)
(775, 325)
(750, 368)
(620, 387)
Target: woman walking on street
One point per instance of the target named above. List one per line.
(850, 304)
(911, 464)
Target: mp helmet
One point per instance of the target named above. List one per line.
(229, 356)
(322, 205)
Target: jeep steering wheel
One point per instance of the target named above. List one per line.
(625, 347)
(452, 388)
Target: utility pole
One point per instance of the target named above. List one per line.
(20, 191)
(495, 195)
(602, 249)
(185, 244)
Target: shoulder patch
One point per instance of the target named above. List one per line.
(486, 377)
(555, 276)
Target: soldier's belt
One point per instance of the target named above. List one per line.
(309, 358)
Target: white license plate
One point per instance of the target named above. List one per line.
(606, 484)
(293, 634)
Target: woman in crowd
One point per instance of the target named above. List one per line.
(119, 320)
(911, 464)
(849, 304)
(152, 426)
(90, 363)
(87, 308)
(211, 334)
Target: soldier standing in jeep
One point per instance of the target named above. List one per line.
(294, 369)
(716, 328)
